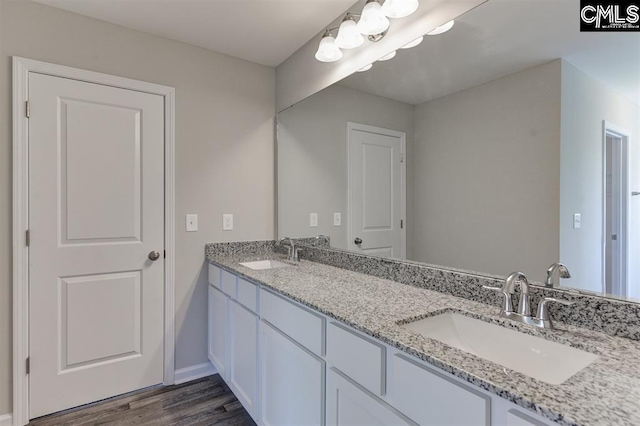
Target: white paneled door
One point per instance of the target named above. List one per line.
(96, 219)
(376, 191)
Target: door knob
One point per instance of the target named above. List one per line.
(154, 255)
(357, 241)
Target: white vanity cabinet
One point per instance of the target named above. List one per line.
(292, 381)
(243, 355)
(349, 404)
(218, 330)
(291, 365)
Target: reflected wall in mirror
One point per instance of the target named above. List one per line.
(508, 143)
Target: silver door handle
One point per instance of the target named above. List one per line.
(357, 241)
(634, 193)
(154, 255)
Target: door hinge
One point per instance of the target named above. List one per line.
(28, 366)
(402, 157)
(28, 109)
(401, 223)
(165, 254)
(28, 238)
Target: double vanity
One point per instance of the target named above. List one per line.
(303, 343)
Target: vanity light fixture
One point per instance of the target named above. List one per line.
(414, 43)
(442, 28)
(373, 20)
(328, 51)
(399, 8)
(348, 35)
(373, 23)
(388, 56)
(365, 68)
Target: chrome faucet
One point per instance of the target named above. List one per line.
(563, 273)
(293, 252)
(523, 313)
(524, 304)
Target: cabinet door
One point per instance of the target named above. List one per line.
(291, 382)
(243, 355)
(351, 405)
(218, 323)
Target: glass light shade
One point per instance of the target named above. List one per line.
(388, 56)
(373, 21)
(328, 51)
(414, 43)
(365, 68)
(442, 28)
(348, 35)
(399, 8)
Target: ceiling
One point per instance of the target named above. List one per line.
(262, 31)
(498, 38)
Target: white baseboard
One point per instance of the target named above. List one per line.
(191, 373)
(6, 420)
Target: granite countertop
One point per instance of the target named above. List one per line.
(607, 392)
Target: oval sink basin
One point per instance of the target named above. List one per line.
(541, 359)
(264, 264)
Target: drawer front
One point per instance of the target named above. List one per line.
(360, 358)
(248, 294)
(516, 418)
(214, 276)
(228, 281)
(300, 324)
(429, 398)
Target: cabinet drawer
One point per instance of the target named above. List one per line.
(429, 398)
(362, 359)
(214, 276)
(228, 283)
(301, 325)
(516, 418)
(248, 294)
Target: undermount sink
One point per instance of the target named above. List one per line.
(541, 359)
(264, 264)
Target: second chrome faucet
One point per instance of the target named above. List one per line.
(523, 312)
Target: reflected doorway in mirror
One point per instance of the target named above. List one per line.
(377, 191)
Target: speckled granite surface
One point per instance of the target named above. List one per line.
(611, 316)
(605, 393)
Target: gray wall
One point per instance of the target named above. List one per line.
(585, 104)
(312, 158)
(224, 128)
(486, 170)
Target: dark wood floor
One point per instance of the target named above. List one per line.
(207, 401)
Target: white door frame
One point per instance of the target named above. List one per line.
(624, 135)
(21, 69)
(403, 179)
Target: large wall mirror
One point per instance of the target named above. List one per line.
(508, 143)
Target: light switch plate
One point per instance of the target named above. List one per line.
(227, 222)
(191, 224)
(337, 219)
(577, 221)
(313, 220)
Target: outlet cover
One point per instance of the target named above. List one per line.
(227, 222)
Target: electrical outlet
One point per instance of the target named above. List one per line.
(313, 220)
(577, 221)
(227, 222)
(191, 222)
(337, 219)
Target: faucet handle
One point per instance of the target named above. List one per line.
(507, 303)
(543, 309)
